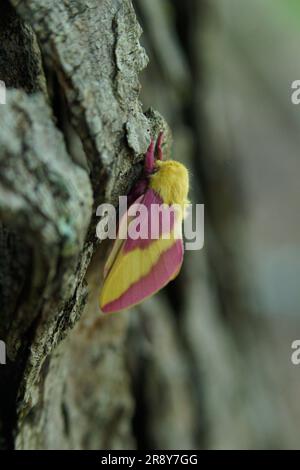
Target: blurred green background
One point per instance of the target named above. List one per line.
(221, 73)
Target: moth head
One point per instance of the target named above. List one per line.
(171, 182)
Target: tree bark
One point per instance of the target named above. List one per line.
(72, 134)
(192, 367)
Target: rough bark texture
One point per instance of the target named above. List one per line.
(194, 366)
(64, 147)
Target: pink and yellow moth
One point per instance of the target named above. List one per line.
(138, 268)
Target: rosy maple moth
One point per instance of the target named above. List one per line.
(139, 267)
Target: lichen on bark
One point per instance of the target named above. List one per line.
(72, 72)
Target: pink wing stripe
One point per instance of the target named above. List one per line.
(166, 267)
(154, 224)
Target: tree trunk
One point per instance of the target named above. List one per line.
(72, 134)
(186, 369)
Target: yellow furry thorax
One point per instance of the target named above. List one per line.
(171, 181)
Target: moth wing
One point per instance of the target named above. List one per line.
(119, 242)
(139, 268)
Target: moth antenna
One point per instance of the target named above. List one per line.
(159, 152)
(149, 158)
